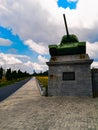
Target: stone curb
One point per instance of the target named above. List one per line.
(41, 88)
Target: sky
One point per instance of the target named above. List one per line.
(27, 27)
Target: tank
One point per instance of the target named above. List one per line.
(69, 45)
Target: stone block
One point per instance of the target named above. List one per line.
(80, 85)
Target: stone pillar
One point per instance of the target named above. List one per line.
(70, 75)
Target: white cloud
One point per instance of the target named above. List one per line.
(94, 65)
(12, 58)
(85, 14)
(42, 21)
(42, 59)
(92, 49)
(22, 62)
(5, 42)
(36, 19)
(37, 47)
(9, 59)
(13, 61)
(3, 8)
(36, 66)
(88, 12)
(72, 0)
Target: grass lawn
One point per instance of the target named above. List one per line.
(43, 80)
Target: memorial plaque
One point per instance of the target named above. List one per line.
(68, 76)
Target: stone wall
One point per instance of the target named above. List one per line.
(95, 82)
(80, 85)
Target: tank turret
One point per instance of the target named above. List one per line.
(70, 39)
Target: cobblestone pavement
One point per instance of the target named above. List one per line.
(27, 110)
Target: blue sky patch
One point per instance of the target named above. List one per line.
(17, 46)
(65, 4)
(17, 43)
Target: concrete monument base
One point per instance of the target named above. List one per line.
(70, 75)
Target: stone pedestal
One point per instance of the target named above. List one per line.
(70, 75)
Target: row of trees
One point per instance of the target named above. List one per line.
(12, 74)
(45, 73)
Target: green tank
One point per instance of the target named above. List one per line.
(69, 45)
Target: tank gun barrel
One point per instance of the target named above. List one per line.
(66, 25)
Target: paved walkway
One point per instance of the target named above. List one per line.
(27, 110)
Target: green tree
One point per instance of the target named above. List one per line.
(1, 73)
(8, 74)
(14, 74)
(20, 74)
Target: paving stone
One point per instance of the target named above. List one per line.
(26, 109)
